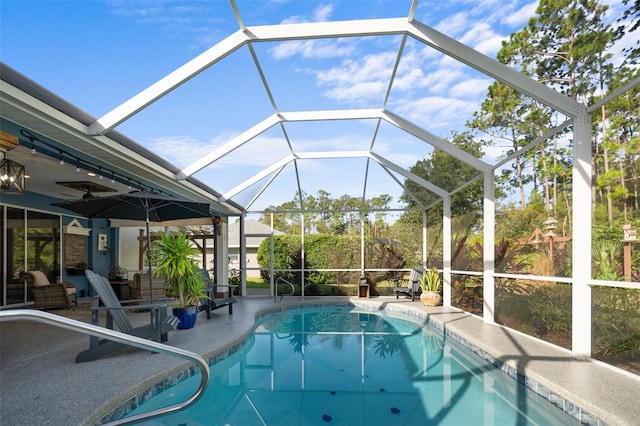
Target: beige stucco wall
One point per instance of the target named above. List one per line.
(252, 261)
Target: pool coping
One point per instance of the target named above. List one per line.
(455, 325)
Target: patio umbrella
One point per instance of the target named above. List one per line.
(138, 205)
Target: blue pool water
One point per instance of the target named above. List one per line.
(340, 366)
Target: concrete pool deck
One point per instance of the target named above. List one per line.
(40, 383)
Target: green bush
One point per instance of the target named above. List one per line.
(322, 251)
(552, 304)
(284, 249)
(615, 314)
(616, 321)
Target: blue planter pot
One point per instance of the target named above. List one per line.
(187, 316)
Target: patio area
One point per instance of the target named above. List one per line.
(41, 383)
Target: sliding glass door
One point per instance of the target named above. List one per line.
(31, 240)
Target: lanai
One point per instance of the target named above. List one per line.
(402, 32)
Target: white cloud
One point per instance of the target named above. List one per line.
(344, 142)
(454, 25)
(321, 13)
(265, 151)
(358, 81)
(312, 49)
(165, 147)
(437, 112)
(409, 80)
(495, 151)
(359, 93)
(476, 26)
(519, 18)
(398, 153)
(490, 46)
(440, 81)
(137, 10)
(197, 22)
(483, 38)
(473, 88)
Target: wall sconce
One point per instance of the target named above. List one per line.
(216, 224)
(11, 173)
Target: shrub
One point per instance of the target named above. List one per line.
(321, 252)
(284, 247)
(616, 320)
(552, 305)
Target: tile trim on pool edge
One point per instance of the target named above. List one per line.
(557, 400)
(168, 381)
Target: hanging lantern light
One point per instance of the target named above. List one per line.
(12, 174)
(11, 177)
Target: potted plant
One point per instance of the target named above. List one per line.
(430, 286)
(174, 257)
(78, 268)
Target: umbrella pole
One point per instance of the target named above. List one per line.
(149, 251)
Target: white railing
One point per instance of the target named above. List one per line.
(116, 336)
(293, 289)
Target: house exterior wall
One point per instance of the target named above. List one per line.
(252, 260)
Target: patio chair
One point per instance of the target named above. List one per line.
(411, 286)
(48, 295)
(216, 302)
(160, 322)
(139, 288)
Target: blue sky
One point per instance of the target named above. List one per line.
(98, 54)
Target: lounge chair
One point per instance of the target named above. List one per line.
(139, 288)
(48, 295)
(160, 323)
(214, 302)
(412, 285)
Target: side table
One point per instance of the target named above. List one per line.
(121, 288)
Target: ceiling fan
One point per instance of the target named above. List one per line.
(87, 187)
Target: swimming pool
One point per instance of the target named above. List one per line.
(345, 366)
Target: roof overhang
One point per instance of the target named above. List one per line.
(27, 106)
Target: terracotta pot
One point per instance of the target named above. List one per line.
(430, 298)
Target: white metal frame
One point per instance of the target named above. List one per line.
(406, 27)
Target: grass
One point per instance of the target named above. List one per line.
(256, 283)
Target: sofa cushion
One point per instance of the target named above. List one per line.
(39, 279)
